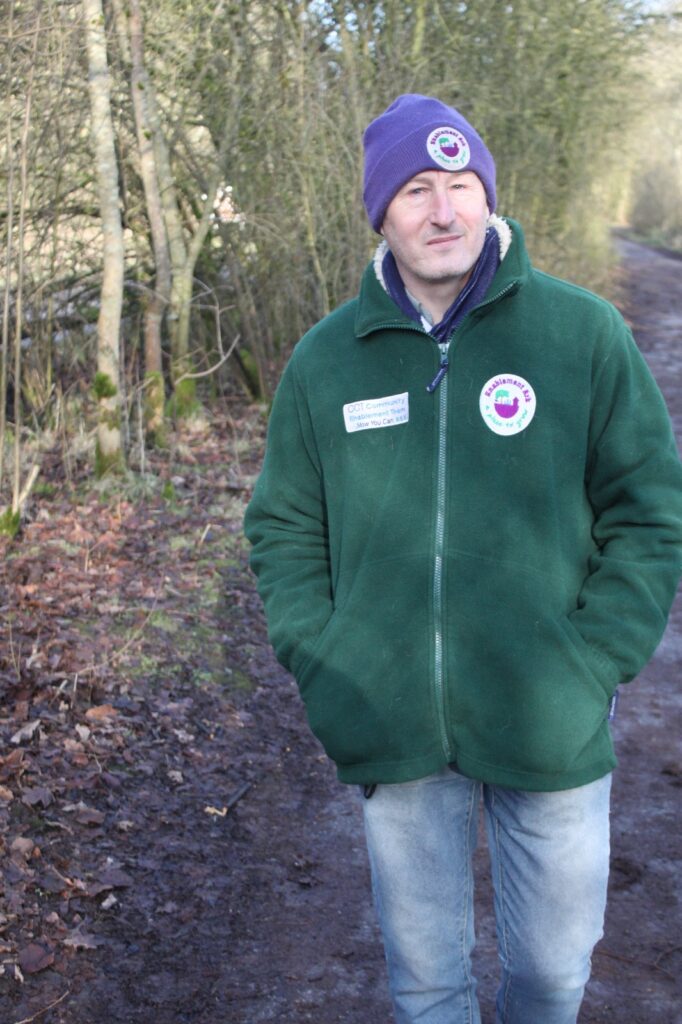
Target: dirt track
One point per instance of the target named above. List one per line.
(259, 911)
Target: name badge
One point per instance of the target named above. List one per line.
(374, 413)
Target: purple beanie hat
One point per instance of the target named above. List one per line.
(419, 133)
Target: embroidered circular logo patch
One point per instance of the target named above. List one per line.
(507, 404)
(448, 148)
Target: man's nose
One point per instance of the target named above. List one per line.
(442, 212)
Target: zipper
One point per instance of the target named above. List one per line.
(441, 465)
(440, 384)
(442, 368)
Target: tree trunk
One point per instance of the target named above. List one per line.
(171, 214)
(109, 450)
(4, 351)
(156, 306)
(182, 263)
(185, 279)
(10, 518)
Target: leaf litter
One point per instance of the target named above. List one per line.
(123, 622)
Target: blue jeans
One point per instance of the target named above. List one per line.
(549, 856)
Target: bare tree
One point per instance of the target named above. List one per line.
(109, 449)
(160, 295)
(9, 522)
(9, 147)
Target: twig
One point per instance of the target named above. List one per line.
(28, 1020)
(16, 659)
(26, 489)
(238, 794)
(232, 801)
(666, 952)
(637, 963)
(58, 824)
(211, 369)
(205, 533)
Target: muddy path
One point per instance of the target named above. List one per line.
(234, 883)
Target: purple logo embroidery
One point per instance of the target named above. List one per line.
(504, 405)
(451, 150)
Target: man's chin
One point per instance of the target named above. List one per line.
(443, 275)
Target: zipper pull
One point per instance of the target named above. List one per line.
(613, 706)
(442, 370)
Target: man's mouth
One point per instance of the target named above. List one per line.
(443, 239)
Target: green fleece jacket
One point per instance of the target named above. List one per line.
(465, 577)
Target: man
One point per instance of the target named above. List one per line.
(467, 534)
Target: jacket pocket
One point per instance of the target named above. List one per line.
(600, 665)
(305, 657)
(366, 683)
(532, 697)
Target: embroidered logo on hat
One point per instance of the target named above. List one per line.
(448, 148)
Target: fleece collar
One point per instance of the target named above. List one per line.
(496, 224)
(378, 310)
(470, 296)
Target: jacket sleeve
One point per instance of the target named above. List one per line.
(634, 484)
(286, 524)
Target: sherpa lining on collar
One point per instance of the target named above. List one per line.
(504, 235)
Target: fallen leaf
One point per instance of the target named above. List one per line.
(35, 957)
(6, 795)
(37, 795)
(85, 815)
(12, 971)
(102, 711)
(16, 873)
(52, 881)
(12, 760)
(216, 811)
(20, 711)
(89, 816)
(115, 878)
(96, 888)
(75, 746)
(26, 732)
(22, 847)
(79, 939)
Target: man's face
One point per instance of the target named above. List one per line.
(435, 227)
